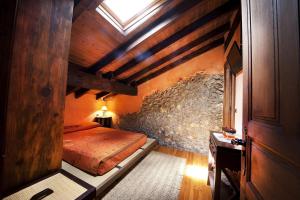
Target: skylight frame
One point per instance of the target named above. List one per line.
(135, 21)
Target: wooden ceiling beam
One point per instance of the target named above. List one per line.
(77, 90)
(70, 89)
(225, 8)
(80, 92)
(110, 95)
(101, 94)
(81, 79)
(219, 11)
(82, 5)
(180, 61)
(235, 24)
(123, 48)
(219, 30)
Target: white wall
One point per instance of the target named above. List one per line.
(239, 104)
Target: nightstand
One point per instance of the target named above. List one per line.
(104, 121)
(59, 185)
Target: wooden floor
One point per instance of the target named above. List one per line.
(195, 175)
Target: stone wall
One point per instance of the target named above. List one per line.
(182, 115)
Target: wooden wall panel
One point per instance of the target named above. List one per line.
(279, 174)
(36, 74)
(264, 67)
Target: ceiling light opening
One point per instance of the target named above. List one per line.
(127, 15)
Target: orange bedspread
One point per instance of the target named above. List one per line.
(98, 150)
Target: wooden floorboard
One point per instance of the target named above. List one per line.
(194, 180)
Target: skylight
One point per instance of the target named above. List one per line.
(126, 15)
(125, 10)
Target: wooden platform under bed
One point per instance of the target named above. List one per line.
(101, 183)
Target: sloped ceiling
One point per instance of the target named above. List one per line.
(191, 27)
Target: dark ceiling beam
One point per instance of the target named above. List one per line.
(223, 9)
(219, 30)
(81, 79)
(80, 92)
(235, 24)
(176, 63)
(123, 48)
(79, 7)
(82, 5)
(110, 95)
(180, 61)
(70, 89)
(101, 94)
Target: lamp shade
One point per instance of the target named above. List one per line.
(104, 108)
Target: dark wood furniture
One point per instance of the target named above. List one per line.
(104, 121)
(223, 157)
(60, 184)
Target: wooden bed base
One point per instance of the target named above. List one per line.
(101, 183)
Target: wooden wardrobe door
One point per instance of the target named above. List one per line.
(271, 99)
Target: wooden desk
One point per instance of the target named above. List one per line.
(223, 155)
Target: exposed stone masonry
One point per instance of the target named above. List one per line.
(182, 115)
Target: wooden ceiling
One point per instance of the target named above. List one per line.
(188, 29)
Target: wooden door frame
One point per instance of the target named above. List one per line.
(245, 165)
(229, 97)
(229, 114)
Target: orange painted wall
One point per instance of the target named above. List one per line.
(210, 62)
(86, 107)
(80, 110)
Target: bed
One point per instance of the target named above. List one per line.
(97, 150)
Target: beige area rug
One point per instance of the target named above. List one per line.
(157, 177)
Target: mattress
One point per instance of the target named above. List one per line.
(102, 182)
(80, 127)
(98, 150)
